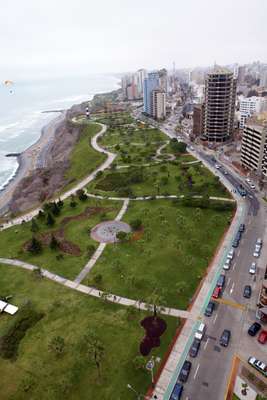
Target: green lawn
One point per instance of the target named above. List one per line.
(170, 178)
(171, 250)
(38, 373)
(84, 159)
(76, 231)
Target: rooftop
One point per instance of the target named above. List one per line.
(217, 70)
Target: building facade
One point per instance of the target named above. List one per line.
(150, 83)
(248, 106)
(254, 146)
(219, 105)
(158, 104)
(198, 112)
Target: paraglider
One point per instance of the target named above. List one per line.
(9, 84)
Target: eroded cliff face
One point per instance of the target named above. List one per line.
(43, 183)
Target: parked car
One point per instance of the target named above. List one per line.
(252, 269)
(252, 186)
(227, 264)
(262, 338)
(217, 292)
(209, 309)
(256, 254)
(184, 373)
(259, 365)
(200, 332)
(247, 292)
(259, 241)
(217, 166)
(235, 243)
(194, 348)
(242, 228)
(238, 236)
(221, 281)
(177, 392)
(225, 338)
(231, 254)
(254, 329)
(248, 180)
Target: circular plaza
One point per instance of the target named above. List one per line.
(106, 232)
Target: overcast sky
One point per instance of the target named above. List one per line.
(70, 37)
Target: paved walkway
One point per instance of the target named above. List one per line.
(91, 291)
(100, 248)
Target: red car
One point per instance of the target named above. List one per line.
(216, 292)
(262, 337)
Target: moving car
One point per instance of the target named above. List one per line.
(200, 332)
(227, 264)
(194, 348)
(259, 365)
(184, 373)
(225, 338)
(252, 186)
(217, 166)
(242, 191)
(231, 254)
(209, 309)
(177, 392)
(254, 329)
(217, 292)
(248, 180)
(252, 269)
(262, 338)
(247, 292)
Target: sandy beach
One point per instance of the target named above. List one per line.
(33, 157)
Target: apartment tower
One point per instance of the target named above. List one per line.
(219, 105)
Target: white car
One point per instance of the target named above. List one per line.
(248, 180)
(259, 241)
(231, 254)
(256, 254)
(227, 264)
(252, 186)
(200, 332)
(252, 269)
(259, 365)
(217, 166)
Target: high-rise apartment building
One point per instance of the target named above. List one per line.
(219, 105)
(254, 145)
(249, 106)
(150, 83)
(263, 78)
(158, 104)
(141, 75)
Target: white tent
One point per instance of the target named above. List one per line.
(8, 308)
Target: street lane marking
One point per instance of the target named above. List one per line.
(238, 253)
(234, 266)
(232, 288)
(228, 281)
(196, 371)
(214, 320)
(230, 303)
(206, 344)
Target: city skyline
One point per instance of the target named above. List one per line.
(37, 41)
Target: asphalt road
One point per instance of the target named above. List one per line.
(210, 369)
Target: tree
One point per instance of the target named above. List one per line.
(35, 246)
(34, 226)
(98, 278)
(82, 196)
(136, 224)
(155, 301)
(57, 345)
(121, 236)
(73, 203)
(54, 244)
(50, 219)
(60, 203)
(95, 350)
(41, 214)
(139, 362)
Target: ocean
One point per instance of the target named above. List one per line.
(21, 106)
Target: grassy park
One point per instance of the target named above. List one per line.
(167, 255)
(51, 369)
(71, 228)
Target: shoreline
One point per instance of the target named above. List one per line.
(30, 159)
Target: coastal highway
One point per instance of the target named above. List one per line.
(211, 368)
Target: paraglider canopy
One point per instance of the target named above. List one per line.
(9, 84)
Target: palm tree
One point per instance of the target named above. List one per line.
(94, 349)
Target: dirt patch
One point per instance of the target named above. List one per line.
(87, 213)
(137, 235)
